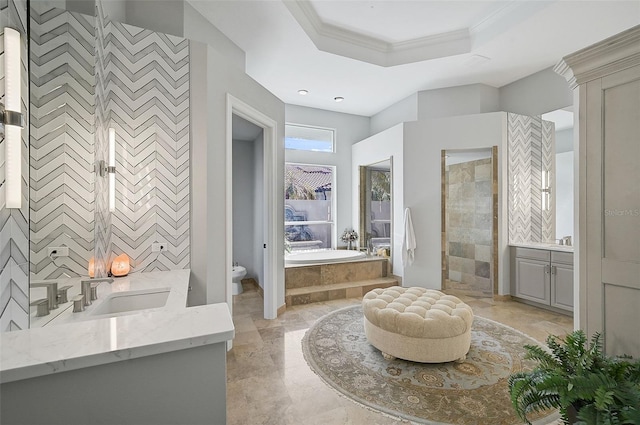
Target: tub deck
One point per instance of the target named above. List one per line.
(306, 284)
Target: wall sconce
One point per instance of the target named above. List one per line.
(12, 119)
(545, 190)
(109, 168)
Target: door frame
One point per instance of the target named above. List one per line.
(269, 126)
(495, 270)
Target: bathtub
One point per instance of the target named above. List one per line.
(322, 256)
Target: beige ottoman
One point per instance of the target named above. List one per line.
(417, 324)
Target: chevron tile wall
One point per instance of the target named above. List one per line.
(531, 149)
(89, 74)
(62, 146)
(14, 223)
(548, 155)
(146, 95)
(102, 216)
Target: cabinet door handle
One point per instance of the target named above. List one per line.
(553, 270)
(547, 269)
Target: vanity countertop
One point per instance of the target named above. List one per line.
(543, 245)
(78, 342)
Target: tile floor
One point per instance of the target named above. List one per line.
(269, 382)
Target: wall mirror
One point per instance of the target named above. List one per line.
(469, 221)
(376, 208)
(101, 90)
(564, 159)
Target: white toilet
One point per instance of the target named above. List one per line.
(237, 273)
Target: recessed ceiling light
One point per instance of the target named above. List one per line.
(303, 92)
(338, 98)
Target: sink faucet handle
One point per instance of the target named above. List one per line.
(85, 289)
(94, 291)
(78, 303)
(62, 294)
(42, 307)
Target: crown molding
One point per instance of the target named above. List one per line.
(605, 57)
(340, 41)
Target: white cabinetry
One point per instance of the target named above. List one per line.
(543, 276)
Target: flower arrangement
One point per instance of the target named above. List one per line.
(349, 235)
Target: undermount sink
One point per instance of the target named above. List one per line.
(121, 302)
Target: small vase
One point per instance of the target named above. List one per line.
(350, 246)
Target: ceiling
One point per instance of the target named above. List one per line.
(377, 52)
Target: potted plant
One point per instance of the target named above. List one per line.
(578, 379)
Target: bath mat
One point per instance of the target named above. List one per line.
(473, 392)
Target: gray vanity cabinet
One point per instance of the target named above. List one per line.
(562, 280)
(532, 275)
(542, 276)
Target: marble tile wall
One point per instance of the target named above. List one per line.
(14, 223)
(469, 224)
(143, 90)
(531, 149)
(62, 146)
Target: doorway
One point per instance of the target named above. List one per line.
(265, 242)
(376, 208)
(248, 205)
(470, 221)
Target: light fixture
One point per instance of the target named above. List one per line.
(111, 169)
(12, 119)
(303, 92)
(338, 98)
(545, 190)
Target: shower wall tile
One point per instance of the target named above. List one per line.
(469, 223)
(14, 223)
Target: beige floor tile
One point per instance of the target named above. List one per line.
(270, 383)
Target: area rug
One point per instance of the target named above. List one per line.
(473, 392)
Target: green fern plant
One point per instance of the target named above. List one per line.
(577, 378)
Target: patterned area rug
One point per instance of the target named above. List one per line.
(473, 392)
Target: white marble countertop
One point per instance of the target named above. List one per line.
(77, 342)
(542, 245)
(177, 281)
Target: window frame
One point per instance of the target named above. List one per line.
(314, 127)
(334, 209)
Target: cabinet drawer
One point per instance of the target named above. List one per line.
(534, 254)
(562, 257)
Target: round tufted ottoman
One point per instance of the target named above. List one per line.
(417, 324)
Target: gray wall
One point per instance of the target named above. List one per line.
(244, 207)
(461, 100)
(536, 94)
(423, 142)
(224, 78)
(350, 129)
(403, 111)
(215, 73)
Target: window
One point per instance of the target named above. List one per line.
(307, 138)
(308, 205)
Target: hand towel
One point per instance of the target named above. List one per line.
(409, 239)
